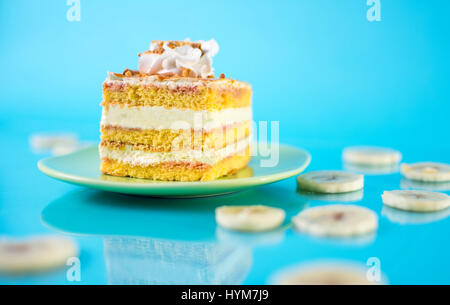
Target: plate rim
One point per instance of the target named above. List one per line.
(91, 182)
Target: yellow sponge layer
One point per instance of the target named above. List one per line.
(203, 98)
(179, 171)
(166, 140)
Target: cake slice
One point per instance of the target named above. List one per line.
(172, 120)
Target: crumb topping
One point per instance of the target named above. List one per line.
(187, 73)
(159, 46)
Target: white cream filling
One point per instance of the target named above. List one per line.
(145, 158)
(157, 117)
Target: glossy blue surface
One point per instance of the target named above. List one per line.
(328, 75)
(119, 233)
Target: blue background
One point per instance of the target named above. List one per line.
(331, 78)
(319, 67)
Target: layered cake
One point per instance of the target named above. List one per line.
(172, 119)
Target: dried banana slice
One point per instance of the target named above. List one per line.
(330, 181)
(35, 254)
(325, 273)
(337, 220)
(371, 155)
(372, 170)
(252, 218)
(426, 171)
(41, 142)
(417, 201)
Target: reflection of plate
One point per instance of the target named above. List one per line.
(341, 197)
(82, 168)
(371, 170)
(101, 213)
(427, 186)
(405, 217)
(131, 260)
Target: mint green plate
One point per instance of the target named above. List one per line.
(82, 168)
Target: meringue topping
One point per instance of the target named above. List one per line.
(182, 58)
